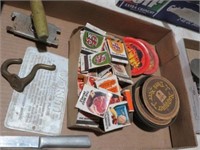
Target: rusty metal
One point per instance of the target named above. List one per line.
(15, 81)
(23, 26)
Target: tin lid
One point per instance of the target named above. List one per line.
(154, 61)
(160, 97)
(148, 118)
(138, 55)
(142, 111)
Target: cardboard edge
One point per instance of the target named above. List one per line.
(74, 50)
(192, 44)
(179, 141)
(191, 86)
(176, 130)
(82, 14)
(172, 58)
(167, 42)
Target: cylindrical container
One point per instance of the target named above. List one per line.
(154, 60)
(146, 115)
(160, 97)
(143, 117)
(138, 56)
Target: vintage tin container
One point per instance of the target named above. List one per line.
(143, 117)
(146, 116)
(160, 97)
(154, 60)
(138, 56)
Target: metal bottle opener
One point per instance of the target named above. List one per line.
(15, 81)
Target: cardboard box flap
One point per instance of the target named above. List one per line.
(178, 137)
(82, 12)
(182, 131)
(167, 49)
(192, 44)
(123, 25)
(73, 76)
(191, 52)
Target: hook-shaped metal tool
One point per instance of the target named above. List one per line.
(15, 81)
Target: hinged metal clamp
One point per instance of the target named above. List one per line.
(23, 26)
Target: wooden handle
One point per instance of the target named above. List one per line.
(39, 19)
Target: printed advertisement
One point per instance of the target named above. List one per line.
(181, 13)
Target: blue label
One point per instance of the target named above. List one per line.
(181, 13)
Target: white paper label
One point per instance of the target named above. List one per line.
(41, 106)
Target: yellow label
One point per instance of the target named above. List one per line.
(116, 46)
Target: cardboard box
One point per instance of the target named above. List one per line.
(194, 53)
(183, 13)
(191, 50)
(69, 15)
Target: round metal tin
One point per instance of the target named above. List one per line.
(160, 97)
(148, 117)
(140, 123)
(154, 61)
(146, 120)
(138, 55)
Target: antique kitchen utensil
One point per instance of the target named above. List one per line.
(75, 141)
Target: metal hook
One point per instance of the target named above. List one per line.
(15, 81)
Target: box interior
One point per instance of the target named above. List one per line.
(192, 50)
(68, 15)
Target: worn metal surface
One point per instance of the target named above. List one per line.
(23, 26)
(45, 141)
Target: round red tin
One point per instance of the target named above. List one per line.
(154, 61)
(138, 55)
